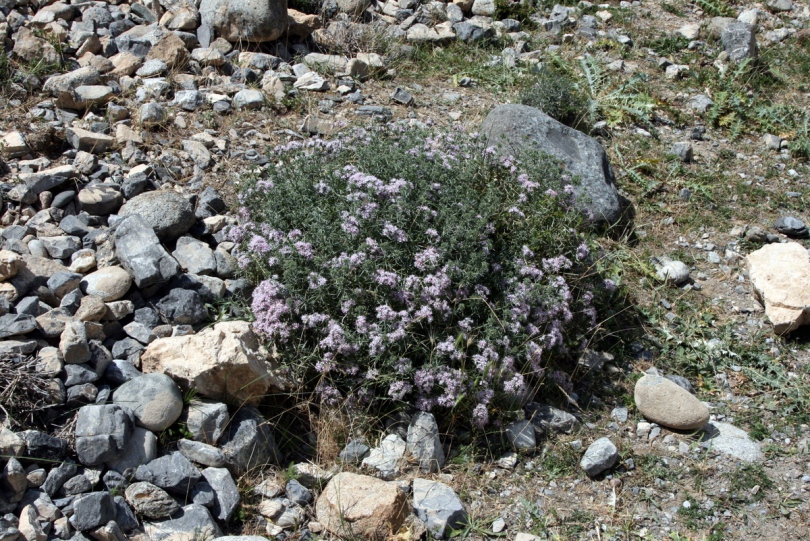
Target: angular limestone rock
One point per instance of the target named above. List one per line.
(361, 507)
(780, 274)
(223, 361)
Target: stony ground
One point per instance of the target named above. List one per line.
(704, 212)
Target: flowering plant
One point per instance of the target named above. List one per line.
(405, 265)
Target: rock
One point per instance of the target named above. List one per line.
(152, 68)
(15, 481)
(601, 455)
(514, 128)
(10, 443)
(32, 49)
(173, 473)
(730, 440)
(739, 41)
(100, 199)
(195, 256)
(16, 324)
(182, 307)
(690, 31)
(201, 453)
(61, 247)
(666, 403)
(154, 399)
(198, 153)
(73, 343)
(772, 142)
(683, 150)
(226, 493)
(780, 276)
(248, 442)
(402, 97)
(102, 433)
(353, 7)
(152, 115)
(208, 57)
(140, 253)
(421, 33)
(91, 309)
(29, 527)
(438, 507)
(361, 507)
(141, 449)
(109, 284)
(298, 493)
(206, 421)
(591, 362)
(423, 443)
(13, 145)
(671, 271)
(10, 264)
(470, 33)
(385, 458)
(484, 7)
(301, 25)
(245, 20)
(792, 227)
(248, 99)
(191, 522)
(521, 435)
(47, 179)
(92, 510)
(225, 360)
(779, 5)
(550, 420)
(354, 452)
(170, 50)
(269, 488)
(89, 141)
(168, 213)
(43, 446)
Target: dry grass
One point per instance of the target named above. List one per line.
(23, 391)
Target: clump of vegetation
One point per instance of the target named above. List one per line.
(667, 44)
(557, 94)
(312, 7)
(520, 11)
(749, 483)
(582, 98)
(404, 266)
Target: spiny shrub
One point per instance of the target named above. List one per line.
(556, 93)
(398, 266)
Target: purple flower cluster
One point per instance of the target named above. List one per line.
(398, 279)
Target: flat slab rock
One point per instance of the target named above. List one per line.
(730, 440)
(668, 404)
(780, 274)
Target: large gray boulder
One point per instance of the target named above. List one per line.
(140, 253)
(518, 128)
(249, 442)
(102, 433)
(154, 399)
(168, 213)
(253, 21)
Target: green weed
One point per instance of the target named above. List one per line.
(749, 483)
